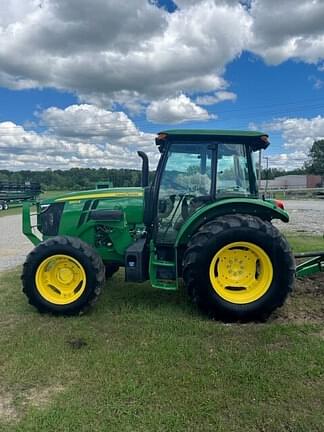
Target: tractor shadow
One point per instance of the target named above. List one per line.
(119, 295)
(305, 305)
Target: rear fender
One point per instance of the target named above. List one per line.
(265, 210)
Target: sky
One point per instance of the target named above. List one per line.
(87, 83)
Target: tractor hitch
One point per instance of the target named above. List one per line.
(313, 265)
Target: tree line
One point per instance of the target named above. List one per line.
(74, 178)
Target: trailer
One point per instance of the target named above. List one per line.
(13, 192)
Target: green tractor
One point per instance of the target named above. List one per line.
(201, 221)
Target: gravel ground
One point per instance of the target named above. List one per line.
(14, 246)
(305, 216)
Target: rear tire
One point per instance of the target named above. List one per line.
(238, 268)
(63, 275)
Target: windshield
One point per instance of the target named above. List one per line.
(232, 169)
(188, 170)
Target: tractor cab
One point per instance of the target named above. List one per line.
(201, 175)
(198, 169)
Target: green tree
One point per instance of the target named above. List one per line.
(315, 165)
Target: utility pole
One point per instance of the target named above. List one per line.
(267, 175)
(260, 158)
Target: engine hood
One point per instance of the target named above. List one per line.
(128, 200)
(100, 194)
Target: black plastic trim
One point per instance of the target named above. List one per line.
(106, 215)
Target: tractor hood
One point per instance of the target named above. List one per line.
(99, 194)
(76, 213)
(130, 201)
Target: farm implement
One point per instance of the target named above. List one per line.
(17, 192)
(311, 266)
(201, 221)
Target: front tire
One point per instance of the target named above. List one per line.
(63, 275)
(238, 268)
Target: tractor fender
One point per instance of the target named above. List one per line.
(265, 210)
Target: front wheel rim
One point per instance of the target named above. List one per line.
(60, 279)
(241, 272)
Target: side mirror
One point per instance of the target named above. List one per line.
(145, 168)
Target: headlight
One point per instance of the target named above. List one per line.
(49, 218)
(44, 207)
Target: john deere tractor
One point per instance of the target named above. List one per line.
(201, 221)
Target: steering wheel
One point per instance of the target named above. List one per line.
(191, 203)
(166, 206)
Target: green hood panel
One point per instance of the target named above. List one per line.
(129, 200)
(101, 194)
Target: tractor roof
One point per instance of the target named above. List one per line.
(257, 140)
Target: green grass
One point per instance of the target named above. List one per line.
(15, 209)
(146, 360)
(305, 242)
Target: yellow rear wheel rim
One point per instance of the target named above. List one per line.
(60, 279)
(241, 272)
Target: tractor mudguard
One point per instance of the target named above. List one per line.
(265, 210)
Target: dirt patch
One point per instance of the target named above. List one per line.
(8, 322)
(39, 398)
(320, 334)
(8, 411)
(306, 303)
(12, 408)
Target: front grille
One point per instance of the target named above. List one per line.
(49, 219)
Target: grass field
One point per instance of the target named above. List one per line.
(306, 242)
(146, 360)
(15, 209)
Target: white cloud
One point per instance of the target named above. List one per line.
(298, 136)
(317, 82)
(176, 110)
(299, 133)
(79, 136)
(217, 97)
(14, 11)
(185, 3)
(107, 51)
(287, 161)
(288, 29)
(87, 121)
